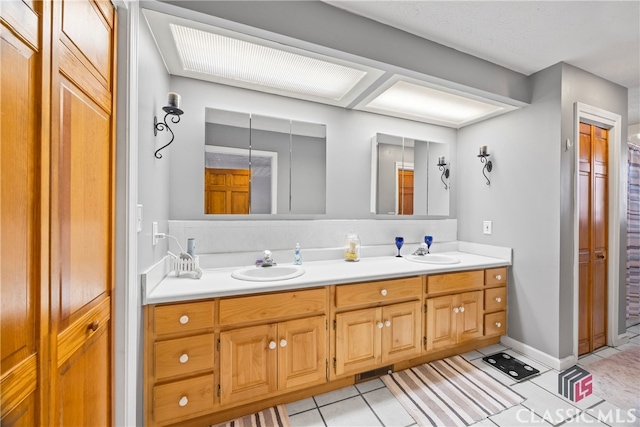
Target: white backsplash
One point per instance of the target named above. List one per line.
(230, 236)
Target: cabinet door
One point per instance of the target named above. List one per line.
(82, 211)
(357, 340)
(302, 354)
(248, 362)
(20, 251)
(402, 331)
(441, 331)
(469, 320)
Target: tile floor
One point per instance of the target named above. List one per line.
(372, 404)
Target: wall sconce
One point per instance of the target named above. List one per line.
(488, 166)
(172, 109)
(444, 168)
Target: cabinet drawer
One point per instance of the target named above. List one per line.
(272, 306)
(378, 292)
(495, 276)
(454, 282)
(495, 299)
(495, 323)
(176, 318)
(183, 356)
(182, 398)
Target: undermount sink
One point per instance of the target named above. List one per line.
(268, 274)
(433, 259)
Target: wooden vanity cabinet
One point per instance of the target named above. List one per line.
(375, 336)
(180, 361)
(256, 361)
(495, 302)
(456, 317)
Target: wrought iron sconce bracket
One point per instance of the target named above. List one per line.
(175, 114)
(488, 166)
(444, 168)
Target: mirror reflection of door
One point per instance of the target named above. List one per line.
(405, 192)
(226, 191)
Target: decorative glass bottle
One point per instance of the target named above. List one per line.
(352, 247)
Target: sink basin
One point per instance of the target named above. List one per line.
(268, 274)
(433, 259)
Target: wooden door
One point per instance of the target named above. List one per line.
(22, 153)
(302, 355)
(357, 340)
(402, 331)
(441, 322)
(469, 319)
(82, 211)
(405, 192)
(593, 236)
(226, 191)
(248, 361)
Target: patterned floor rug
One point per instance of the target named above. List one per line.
(617, 379)
(450, 392)
(272, 417)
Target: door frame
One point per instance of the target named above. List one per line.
(271, 155)
(612, 122)
(401, 166)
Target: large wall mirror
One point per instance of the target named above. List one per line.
(258, 164)
(406, 178)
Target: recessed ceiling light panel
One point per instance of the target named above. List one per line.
(418, 101)
(230, 58)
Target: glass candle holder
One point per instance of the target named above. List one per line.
(352, 247)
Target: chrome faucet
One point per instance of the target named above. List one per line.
(267, 260)
(422, 250)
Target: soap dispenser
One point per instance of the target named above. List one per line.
(297, 255)
(352, 247)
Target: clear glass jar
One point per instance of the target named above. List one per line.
(352, 247)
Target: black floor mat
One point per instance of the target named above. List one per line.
(509, 365)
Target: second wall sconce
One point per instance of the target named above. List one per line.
(444, 168)
(171, 109)
(488, 166)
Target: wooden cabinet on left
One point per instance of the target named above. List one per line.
(57, 91)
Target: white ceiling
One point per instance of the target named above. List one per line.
(601, 37)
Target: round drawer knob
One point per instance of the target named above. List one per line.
(283, 343)
(456, 309)
(387, 323)
(498, 324)
(383, 292)
(380, 325)
(498, 299)
(498, 277)
(184, 358)
(183, 401)
(93, 325)
(461, 309)
(272, 345)
(184, 319)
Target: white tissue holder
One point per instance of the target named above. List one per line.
(180, 265)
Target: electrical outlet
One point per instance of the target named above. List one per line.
(486, 227)
(154, 233)
(139, 218)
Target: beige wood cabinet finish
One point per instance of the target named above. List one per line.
(277, 347)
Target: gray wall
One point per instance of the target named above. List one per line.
(581, 86)
(523, 201)
(153, 179)
(530, 200)
(348, 151)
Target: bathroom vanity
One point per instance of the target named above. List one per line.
(218, 348)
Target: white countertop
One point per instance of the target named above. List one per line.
(218, 282)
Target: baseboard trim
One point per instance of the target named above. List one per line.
(620, 339)
(539, 356)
